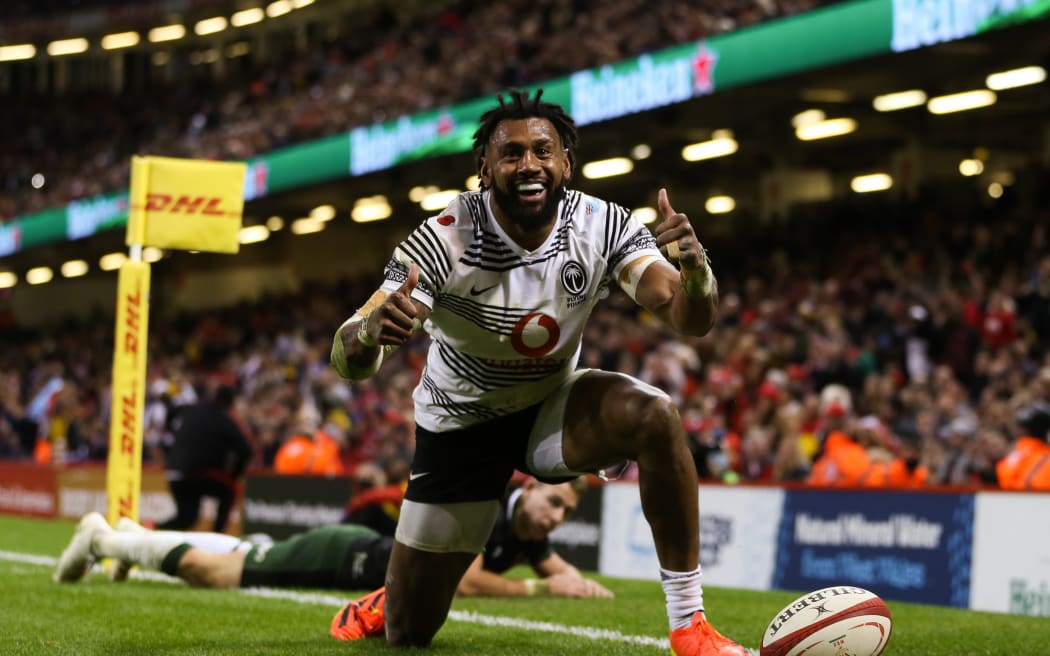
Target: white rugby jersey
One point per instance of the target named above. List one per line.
(506, 323)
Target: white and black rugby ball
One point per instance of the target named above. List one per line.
(837, 621)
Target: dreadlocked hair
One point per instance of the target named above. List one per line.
(520, 107)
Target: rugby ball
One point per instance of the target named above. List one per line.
(837, 621)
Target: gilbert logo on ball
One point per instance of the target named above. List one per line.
(838, 621)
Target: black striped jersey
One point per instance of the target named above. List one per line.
(506, 323)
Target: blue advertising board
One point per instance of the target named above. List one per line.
(905, 546)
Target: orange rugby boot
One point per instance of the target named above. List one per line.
(701, 639)
(360, 618)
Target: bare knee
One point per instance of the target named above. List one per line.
(657, 424)
(203, 569)
(610, 418)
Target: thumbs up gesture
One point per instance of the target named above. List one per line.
(396, 318)
(676, 234)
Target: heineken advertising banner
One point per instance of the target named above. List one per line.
(821, 37)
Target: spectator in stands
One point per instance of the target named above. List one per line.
(955, 468)
(991, 446)
(20, 430)
(207, 458)
(316, 453)
(841, 461)
(1027, 465)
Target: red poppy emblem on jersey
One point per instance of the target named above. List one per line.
(446, 220)
(535, 335)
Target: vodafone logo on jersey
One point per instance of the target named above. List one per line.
(535, 335)
(446, 220)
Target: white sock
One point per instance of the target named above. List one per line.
(214, 542)
(684, 594)
(149, 549)
(145, 549)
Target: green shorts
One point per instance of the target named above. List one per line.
(343, 557)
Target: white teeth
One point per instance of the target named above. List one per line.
(530, 186)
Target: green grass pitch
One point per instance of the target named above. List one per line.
(154, 616)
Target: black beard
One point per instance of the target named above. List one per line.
(527, 219)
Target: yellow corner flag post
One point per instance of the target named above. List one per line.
(174, 203)
(124, 467)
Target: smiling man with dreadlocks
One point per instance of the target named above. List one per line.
(504, 280)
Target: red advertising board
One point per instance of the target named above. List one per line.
(27, 489)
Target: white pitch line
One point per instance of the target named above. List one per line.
(320, 599)
(549, 627)
(46, 561)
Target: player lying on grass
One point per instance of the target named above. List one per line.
(346, 556)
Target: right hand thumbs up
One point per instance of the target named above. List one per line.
(410, 281)
(396, 317)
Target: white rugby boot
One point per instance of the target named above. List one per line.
(78, 557)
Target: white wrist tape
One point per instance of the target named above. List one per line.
(362, 333)
(698, 283)
(338, 357)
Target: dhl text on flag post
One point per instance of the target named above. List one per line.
(124, 466)
(187, 204)
(174, 203)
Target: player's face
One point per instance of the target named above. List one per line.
(544, 508)
(526, 167)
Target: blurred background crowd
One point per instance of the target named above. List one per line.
(913, 337)
(384, 60)
(858, 344)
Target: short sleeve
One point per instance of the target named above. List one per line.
(426, 250)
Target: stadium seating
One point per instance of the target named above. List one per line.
(935, 327)
(358, 66)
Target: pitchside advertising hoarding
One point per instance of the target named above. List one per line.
(906, 546)
(26, 489)
(1011, 554)
(738, 528)
(579, 538)
(279, 505)
(82, 489)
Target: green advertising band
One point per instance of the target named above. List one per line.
(834, 34)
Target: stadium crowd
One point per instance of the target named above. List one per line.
(379, 61)
(911, 334)
(906, 336)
